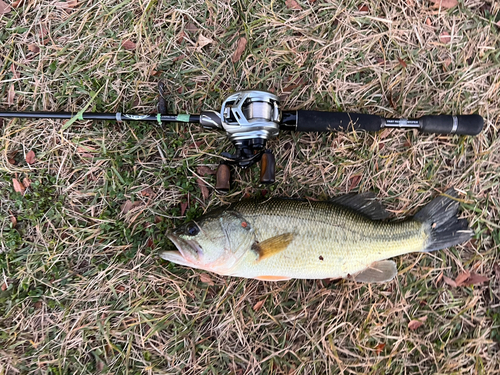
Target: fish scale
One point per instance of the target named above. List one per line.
(347, 241)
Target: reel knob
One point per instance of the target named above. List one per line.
(267, 168)
(223, 178)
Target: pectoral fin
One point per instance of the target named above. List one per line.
(272, 245)
(378, 272)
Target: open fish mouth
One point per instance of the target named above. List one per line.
(187, 251)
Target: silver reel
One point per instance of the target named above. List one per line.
(249, 118)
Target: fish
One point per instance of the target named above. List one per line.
(348, 237)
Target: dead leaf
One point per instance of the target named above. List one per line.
(202, 41)
(192, 27)
(34, 48)
(18, 3)
(184, 206)
(450, 282)
(292, 4)
(11, 94)
(402, 62)
(4, 287)
(446, 63)
(129, 205)
(30, 157)
(120, 288)
(428, 22)
(13, 219)
(475, 279)
(258, 305)
(205, 278)
(15, 74)
(445, 37)
(148, 192)
(363, 8)
(128, 45)
(26, 182)
(4, 7)
(203, 171)
(18, 186)
(414, 324)
(180, 37)
(444, 4)
(462, 277)
(240, 48)
(353, 182)
(379, 348)
(204, 190)
(68, 5)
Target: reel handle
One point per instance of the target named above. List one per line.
(318, 121)
(223, 178)
(267, 168)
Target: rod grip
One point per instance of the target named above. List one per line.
(445, 124)
(318, 121)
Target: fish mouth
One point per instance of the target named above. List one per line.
(188, 249)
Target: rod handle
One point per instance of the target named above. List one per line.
(318, 121)
(445, 124)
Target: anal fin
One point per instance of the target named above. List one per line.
(273, 278)
(272, 245)
(378, 272)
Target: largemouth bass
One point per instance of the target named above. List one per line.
(280, 239)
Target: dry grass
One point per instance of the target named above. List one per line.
(85, 291)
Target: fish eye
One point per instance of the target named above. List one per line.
(192, 229)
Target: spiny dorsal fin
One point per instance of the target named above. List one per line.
(272, 245)
(364, 203)
(378, 272)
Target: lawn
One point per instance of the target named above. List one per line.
(85, 206)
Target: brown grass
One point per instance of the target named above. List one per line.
(85, 291)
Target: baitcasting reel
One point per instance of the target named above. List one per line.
(251, 118)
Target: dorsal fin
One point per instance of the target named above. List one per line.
(364, 203)
(272, 245)
(378, 272)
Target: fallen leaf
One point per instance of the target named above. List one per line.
(180, 37)
(192, 27)
(34, 48)
(150, 243)
(204, 190)
(15, 74)
(4, 287)
(475, 279)
(363, 8)
(128, 45)
(11, 95)
(450, 282)
(205, 278)
(30, 157)
(292, 4)
(184, 206)
(462, 277)
(13, 219)
(4, 7)
(38, 304)
(446, 63)
(353, 182)
(148, 192)
(445, 37)
(120, 288)
(203, 171)
(202, 41)
(18, 3)
(428, 22)
(414, 324)
(444, 4)
(258, 305)
(26, 182)
(18, 186)
(68, 5)
(240, 48)
(402, 62)
(379, 348)
(129, 205)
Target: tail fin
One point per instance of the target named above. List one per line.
(444, 227)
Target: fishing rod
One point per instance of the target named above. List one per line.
(251, 118)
